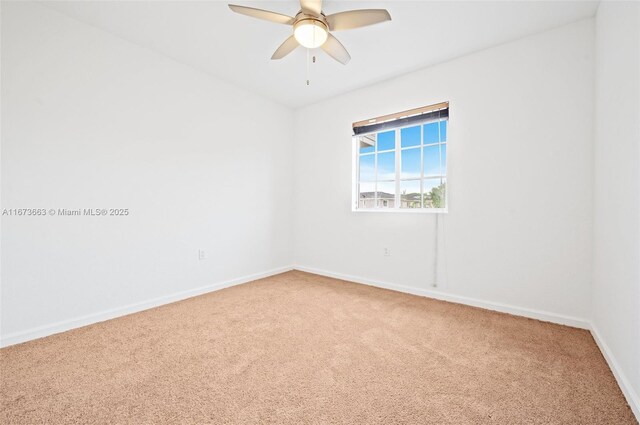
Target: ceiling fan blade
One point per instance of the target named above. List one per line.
(336, 50)
(262, 14)
(357, 18)
(311, 7)
(285, 48)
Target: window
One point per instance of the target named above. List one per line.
(401, 161)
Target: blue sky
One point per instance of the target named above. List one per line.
(410, 158)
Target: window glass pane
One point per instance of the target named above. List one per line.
(410, 136)
(431, 133)
(367, 170)
(443, 130)
(431, 160)
(366, 195)
(386, 140)
(434, 193)
(387, 166)
(435, 132)
(385, 196)
(368, 187)
(443, 158)
(367, 143)
(410, 165)
(410, 194)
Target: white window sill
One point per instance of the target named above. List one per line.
(403, 211)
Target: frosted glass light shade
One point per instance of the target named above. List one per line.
(310, 33)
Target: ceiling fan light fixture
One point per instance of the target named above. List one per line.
(310, 33)
(311, 26)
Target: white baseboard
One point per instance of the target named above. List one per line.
(489, 305)
(629, 393)
(65, 325)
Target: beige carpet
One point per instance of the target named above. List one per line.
(303, 349)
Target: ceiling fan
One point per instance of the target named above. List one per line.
(311, 27)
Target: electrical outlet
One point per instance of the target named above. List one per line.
(202, 254)
(386, 252)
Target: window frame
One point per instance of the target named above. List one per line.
(398, 171)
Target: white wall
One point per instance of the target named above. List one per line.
(518, 231)
(616, 280)
(92, 121)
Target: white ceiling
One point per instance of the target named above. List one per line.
(236, 48)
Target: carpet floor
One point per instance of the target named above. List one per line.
(298, 348)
